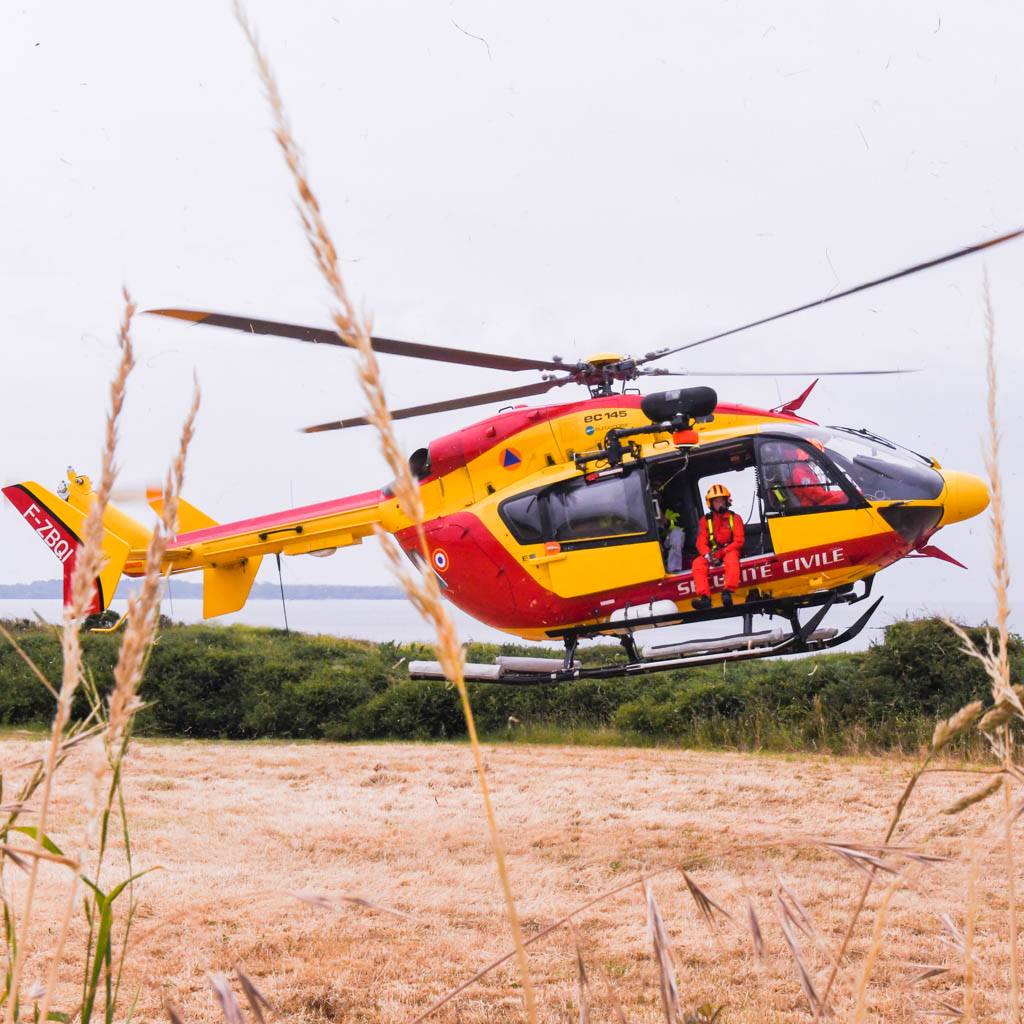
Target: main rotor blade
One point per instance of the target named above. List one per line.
(771, 373)
(389, 346)
(838, 295)
(453, 403)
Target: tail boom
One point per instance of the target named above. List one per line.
(229, 554)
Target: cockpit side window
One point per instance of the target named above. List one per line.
(797, 479)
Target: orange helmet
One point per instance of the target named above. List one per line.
(802, 454)
(717, 491)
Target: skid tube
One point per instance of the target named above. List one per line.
(804, 638)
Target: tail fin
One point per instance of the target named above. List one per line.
(60, 523)
(226, 588)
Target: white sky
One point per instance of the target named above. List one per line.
(592, 176)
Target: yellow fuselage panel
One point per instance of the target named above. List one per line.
(594, 570)
(811, 529)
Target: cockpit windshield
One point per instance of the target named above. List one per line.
(881, 470)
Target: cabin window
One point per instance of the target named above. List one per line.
(881, 470)
(576, 510)
(523, 518)
(612, 507)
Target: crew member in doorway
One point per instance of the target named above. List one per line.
(674, 538)
(719, 541)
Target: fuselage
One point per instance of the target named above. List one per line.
(500, 541)
(525, 538)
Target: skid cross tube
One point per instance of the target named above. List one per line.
(807, 630)
(797, 642)
(803, 639)
(782, 607)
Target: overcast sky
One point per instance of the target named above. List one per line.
(534, 178)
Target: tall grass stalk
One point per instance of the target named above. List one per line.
(108, 728)
(1002, 691)
(822, 1007)
(996, 725)
(969, 926)
(88, 562)
(878, 930)
(423, 590)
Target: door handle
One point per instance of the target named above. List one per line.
(534, 560)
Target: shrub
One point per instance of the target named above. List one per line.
(236, 682)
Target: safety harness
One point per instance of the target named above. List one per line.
(709, 519)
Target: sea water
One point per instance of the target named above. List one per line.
(379, 621)
(396, 620)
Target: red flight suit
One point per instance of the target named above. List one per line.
(807, 488)
(722, 540)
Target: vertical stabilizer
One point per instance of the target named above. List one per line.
(60, 526)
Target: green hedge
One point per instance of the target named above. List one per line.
(242, 682)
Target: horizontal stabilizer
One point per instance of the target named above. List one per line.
(189, 517)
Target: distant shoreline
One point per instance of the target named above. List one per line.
(53, 590)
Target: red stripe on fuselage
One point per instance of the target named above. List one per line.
(489, 583)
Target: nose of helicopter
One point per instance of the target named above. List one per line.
(966, 496)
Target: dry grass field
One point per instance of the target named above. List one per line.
(238, 828)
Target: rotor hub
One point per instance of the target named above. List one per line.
(602, 370)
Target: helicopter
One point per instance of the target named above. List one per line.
(549, 522)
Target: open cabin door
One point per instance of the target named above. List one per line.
(680, 480)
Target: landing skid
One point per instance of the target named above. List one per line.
(807, 637)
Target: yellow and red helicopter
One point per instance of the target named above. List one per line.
(549, 522)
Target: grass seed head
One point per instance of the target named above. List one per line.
(956, 724)
(994, 719)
